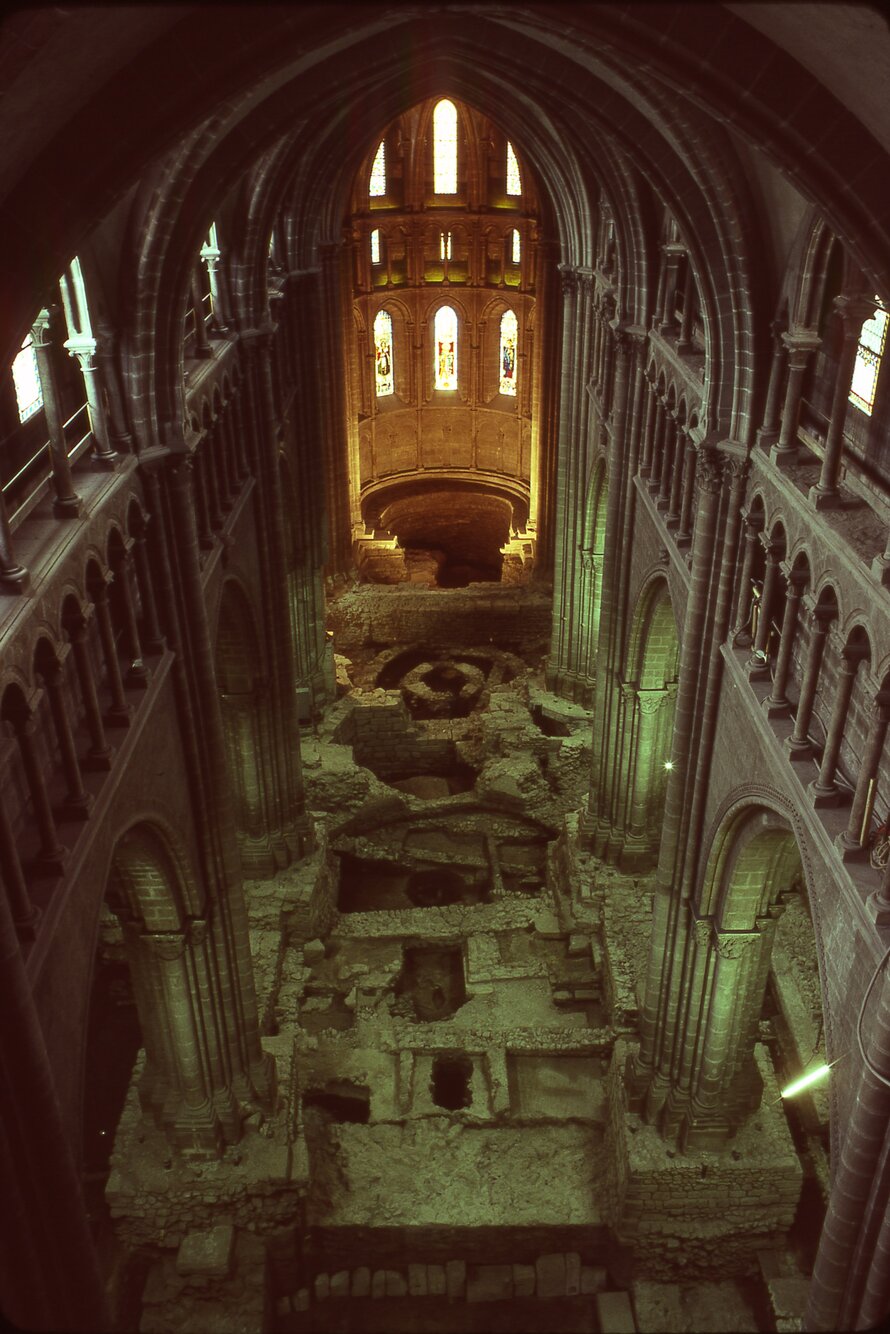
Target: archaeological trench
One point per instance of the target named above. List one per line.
(448, 987)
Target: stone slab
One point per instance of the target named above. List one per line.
(395, 1284)
(593, 1279)
(614, 1313)
(435, 1278)
(340, 1283)
(208, 1252)
(313, 951)
(417, 1281)
(322, 1287)
(361, 1281)
(523, 1280)
(788, 1296)
(659, 1307)
(550, 1273)
(490, 1283)
(456, 1278)
(378, 1283)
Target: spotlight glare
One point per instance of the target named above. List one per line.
(805, 1081)
(669, 764)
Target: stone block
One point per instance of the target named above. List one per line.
(550, 1273)
(300, 1300)
(593, 1279)
(322, 1287)
(523, 1280)
(378, 1283)
(788, 1297)
(547, 926)
(435, 1279)
(361, 1281)
(614, 1313)
(340, 1283)
(573, 1274)
(417, 1281)
(313, 952)
(659, 1308)
(395, 1283)
(208, 1252)
(578, 944)
(456, 1278)
(490, 1283)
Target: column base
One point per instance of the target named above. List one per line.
(69, 508)
(138, 675)
(77, 808)
(26, 927)
(776, 708)
(116, 717)
(824, 796)
(105, 462)
(757, 668)
(824, 500)
(15, 580)
(766, 439)
(98, 761)
(851, 852)
(784, 458)
(798, 750)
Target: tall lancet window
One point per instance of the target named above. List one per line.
(445, 148)
(516, 247)
(383, 354)
(29, 396)
(378, 172)
(446, 348)
(514, 185)
(375, 246)
(508, 353)
(872, 338)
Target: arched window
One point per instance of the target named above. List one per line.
(445, 148)
(514, 186)
(375, 246)
(508, 353)
(515, 247)
(28, 393)
(868, 361)
(445, 245)
(383, 353)
(446, 348)
(378, 172)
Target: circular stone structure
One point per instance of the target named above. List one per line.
(443, 689)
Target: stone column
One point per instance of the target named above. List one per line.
(854, 311)
(741, 634)
(648, 430)
(684, 342)
(118, 715)
(25, 914)
(684, 531)
(854, 837)
(825, 790)
(152, 636)
(83, 349)
(769, 431)
(672, 518)
(100, 752)
(67, 503)
(77, 801)
(137, 673)
(108, 369)
(798, 744)
(667, 460)
(801, 347)
(776, 702)
(52, 855)
(202, 350)
(14, 578)
(757, 663)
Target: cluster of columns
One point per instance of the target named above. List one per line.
(668, 463)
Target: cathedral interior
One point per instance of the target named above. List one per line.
(445, 668)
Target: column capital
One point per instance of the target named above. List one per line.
(709, 473)
(854, 309)
(800, 344)
(83, 348)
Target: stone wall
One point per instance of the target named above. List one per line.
(686, 1215)
(514, 617)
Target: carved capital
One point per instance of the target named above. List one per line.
(736, 944)
(168, 945)
(709, 473)
(569, 281)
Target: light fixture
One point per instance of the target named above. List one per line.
(669, 764)
(806, 1080)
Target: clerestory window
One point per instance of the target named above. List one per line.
(378, 172)
(383, 354)
(514, 185)
(445, 332)
(375, 246)
(509, 329)
(25, 376)
(515, 247)
(445, 245)
(445, 148)
(872, 338)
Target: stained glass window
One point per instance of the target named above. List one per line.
(378, 172)
(375, 246)
(445, 245)
(445, 148)
(868, 361)
(26, 379)
(508, 353)
(515, 250)
(446, 348)
(514, 186)
(383, 353)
